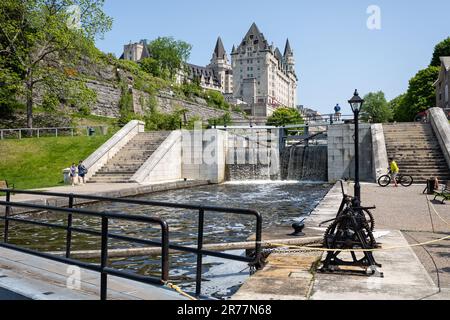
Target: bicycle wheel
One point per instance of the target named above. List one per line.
(384, 181)
(406, 181)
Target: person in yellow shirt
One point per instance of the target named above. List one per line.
(394, 171)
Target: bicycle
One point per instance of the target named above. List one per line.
(403, 179)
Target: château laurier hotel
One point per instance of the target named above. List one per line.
(259, 77)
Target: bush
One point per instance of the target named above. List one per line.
(50, 102)
(224, 120)
(126, 106)
(284, 116)
(156, 121)
(216, 99)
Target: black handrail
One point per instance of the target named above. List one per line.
(105, 235)
(199, 251)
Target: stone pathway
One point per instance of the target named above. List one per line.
(410, 273)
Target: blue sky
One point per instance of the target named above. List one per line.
(334, 50)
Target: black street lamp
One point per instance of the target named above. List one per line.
(356, 103)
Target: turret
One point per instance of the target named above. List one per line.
(289, 57)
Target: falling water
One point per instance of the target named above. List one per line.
(305, 163)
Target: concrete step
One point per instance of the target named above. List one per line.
(116, 173)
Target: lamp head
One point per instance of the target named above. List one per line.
(356, 102)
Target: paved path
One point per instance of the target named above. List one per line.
(405, 278)
(410, 274)
(406, 209)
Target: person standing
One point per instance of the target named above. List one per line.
(337, 112)
(73, 173)
(394, 171)
(82, 171)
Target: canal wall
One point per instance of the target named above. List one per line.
(341, 152)
(187, 155)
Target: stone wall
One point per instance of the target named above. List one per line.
(108, 97)
(341, 152)
(170, 104)
(380, 156)
(441, 129)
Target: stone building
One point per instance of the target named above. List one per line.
(259, 78)
(135, 51)
(263, 77)
(218, 75)
(442, 84)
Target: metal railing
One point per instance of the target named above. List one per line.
(164, 244)
(21, 133)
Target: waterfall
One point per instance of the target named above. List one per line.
(296, 163)
(305, 163)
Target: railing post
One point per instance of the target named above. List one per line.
(20, 134)
(7, 214)
(201, 222)
(69, 228)
(258, 236)
(165, 252)
(38, 133)
(56, 132)
(104, 260)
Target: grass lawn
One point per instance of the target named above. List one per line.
(38, 163)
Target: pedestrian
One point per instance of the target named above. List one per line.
(73, 173)
(82, 171)
(394, 171)
(337, 112)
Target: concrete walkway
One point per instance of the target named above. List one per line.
(114, 190)
(405, 278)
(23, 275)
(410, 273)
(407, 210)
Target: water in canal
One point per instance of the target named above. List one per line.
(279, 202)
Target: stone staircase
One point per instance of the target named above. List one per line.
(416, 150)
(130, 158)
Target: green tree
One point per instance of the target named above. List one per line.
(421, 95)
(170, 55)
(397, 106)
(152, 66)
(376, 109)
(284, 116)
(39, 34)
(442, 49)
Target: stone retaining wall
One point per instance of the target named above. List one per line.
(441, 129)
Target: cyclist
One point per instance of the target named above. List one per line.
(394, 171)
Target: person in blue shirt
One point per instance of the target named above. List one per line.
(337, 112)
(82, 171)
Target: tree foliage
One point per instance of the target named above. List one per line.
(397, 107)
(284, 116)
(376, 108)
(421, 95)
(37, 35)
(168, 56)
(442, 49)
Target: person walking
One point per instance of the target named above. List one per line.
(73, 174)
(394, 171)
(82, 171)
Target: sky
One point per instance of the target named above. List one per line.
(335, 51)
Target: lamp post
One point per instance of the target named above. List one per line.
(356, 103)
